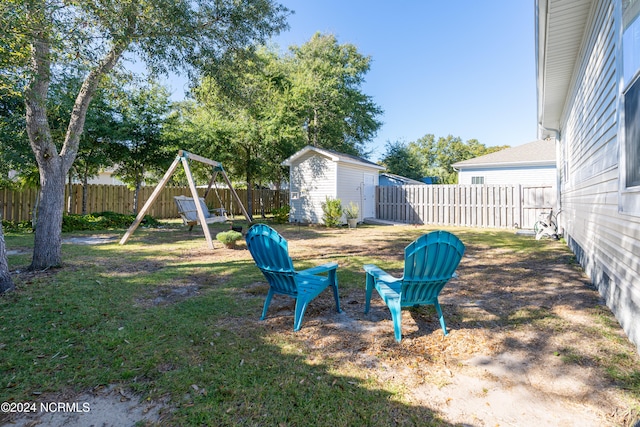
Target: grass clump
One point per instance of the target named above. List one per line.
(229, 238)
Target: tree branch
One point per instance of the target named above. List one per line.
(88, 89)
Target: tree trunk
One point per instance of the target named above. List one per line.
(6, 284)
(315, 128)
(47, 247)
(85, 193)
(249, 195)
(261, 198)
(136, 196)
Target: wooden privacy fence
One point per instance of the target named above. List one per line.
(495, 206)
(506, 206)
(18, 205)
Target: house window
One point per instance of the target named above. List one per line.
(295, 195)
(630, 123)
(632, 134)
(477, 179)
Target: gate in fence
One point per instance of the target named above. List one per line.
(495, 206)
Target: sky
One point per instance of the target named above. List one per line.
(464, 68)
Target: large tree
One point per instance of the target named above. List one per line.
(326, 84)
(400, 159)
(143, 112)
(261, 107)
(243, 118)
(46, 37)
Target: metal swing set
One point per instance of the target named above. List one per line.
(192, 210)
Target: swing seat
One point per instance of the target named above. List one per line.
(189, 214)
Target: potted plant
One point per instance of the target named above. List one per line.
(229, 238)
(351, 212)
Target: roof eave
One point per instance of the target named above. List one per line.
(332, 156)
(503, 164)
(289, 161)
(559, 26)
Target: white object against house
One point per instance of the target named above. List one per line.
(316, 173)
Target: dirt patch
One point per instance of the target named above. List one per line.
(102, 407)
(164, 295)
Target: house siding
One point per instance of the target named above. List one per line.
(313, 178)
(605, 241)
(533, 175)
(351, 185)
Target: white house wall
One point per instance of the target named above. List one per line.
(510, 175)
(313, 179)
(606, 242)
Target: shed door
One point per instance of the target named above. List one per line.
(369, 197)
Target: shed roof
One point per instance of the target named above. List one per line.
(536, 153)
(403, 179)
(333, 155)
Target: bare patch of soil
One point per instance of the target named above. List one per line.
(103, 407)
(164, 295)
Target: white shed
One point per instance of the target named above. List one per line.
(533, 163)
(316, 174)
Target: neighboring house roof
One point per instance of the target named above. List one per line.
(560, 28)
(401, 179)
(333, 155)
(536, 153)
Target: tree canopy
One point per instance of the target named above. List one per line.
(431, 157)
(326, 89)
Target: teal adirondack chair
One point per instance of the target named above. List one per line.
(271, 254)
(429, 263)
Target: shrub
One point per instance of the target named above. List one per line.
(102, 221)
(17, 226)
(229, 238)
(332, 209)
(281, 214)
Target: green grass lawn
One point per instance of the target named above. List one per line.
(168, 318)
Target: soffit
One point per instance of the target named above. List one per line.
(560, 31)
